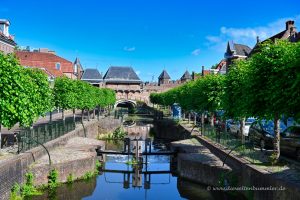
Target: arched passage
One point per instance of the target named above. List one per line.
(125, 103)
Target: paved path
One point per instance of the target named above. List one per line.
(41, 120)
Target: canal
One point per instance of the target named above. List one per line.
(118, 179)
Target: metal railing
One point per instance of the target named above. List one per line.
(31, 137)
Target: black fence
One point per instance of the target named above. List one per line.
(28, 138)
(42, 133)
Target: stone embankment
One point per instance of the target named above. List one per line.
(196, 163)
(14, 168)
(74, 159)
(262, 184)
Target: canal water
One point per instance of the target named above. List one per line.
(153, 180)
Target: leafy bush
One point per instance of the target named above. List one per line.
(53, 179)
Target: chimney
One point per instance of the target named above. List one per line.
(289, 24)
(257, 39)
(4, 26)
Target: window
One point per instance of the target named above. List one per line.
(57, 66)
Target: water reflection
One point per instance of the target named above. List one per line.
(151, 180)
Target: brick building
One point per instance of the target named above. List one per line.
(124, 81)
(7, 43)
(45, 59)
(290, 33)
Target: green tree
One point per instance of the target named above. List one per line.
(22, 94)
(272, 78)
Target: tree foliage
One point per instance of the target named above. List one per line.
(24, 94)
(76, 94)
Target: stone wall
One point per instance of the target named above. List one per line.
(168, 129)
(13, 169)
(249, 175)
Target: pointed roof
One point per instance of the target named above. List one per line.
(77, 62)
(121, 74)
(234, 49)
(186, 75)
(91, 76)
(164, 75)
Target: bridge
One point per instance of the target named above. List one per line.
(128, 103)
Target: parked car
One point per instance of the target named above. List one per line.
(290, 142)
(261, 133)
(235, 126)
(228, 124)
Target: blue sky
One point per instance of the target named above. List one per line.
(149, 35)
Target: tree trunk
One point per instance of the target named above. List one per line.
(183, 116)
(74, 116)
(63, 114)
(88, 111)
(212, 119)
(189, 117)
(195, 119)
(50, 117)
(82, 113)
(277, 137)
(202, 123)
(225, 126)
(94, 114)
(0, 137)
(98, 114)
(242, 127)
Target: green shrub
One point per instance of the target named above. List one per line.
(53, 179)
(70, 179)
(88, 175)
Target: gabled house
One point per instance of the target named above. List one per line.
(235, 51)
(220, 68)
(290, 33)
(7, 43)
(93, 77)
(124, 81)
(46, 59)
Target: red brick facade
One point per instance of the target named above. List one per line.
(49, 61)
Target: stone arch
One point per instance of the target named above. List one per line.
(130, 103)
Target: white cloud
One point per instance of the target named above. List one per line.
(246, 35)
(129, 49)
(196, 52)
